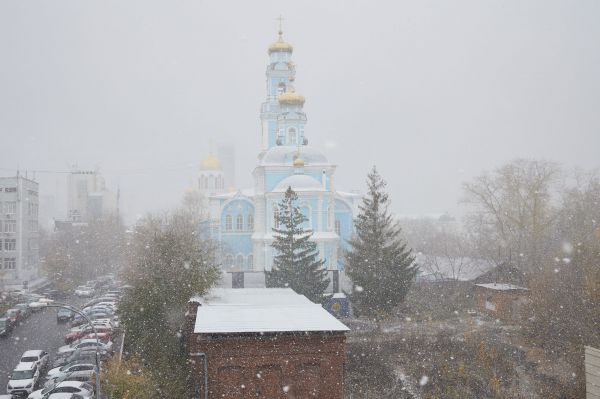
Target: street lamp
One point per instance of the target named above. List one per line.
(89, 322)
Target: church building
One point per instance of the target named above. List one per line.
(242, 220)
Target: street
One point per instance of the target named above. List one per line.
(39, 331)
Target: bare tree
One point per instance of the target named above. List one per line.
(512, 212)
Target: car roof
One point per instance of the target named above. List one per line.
(76, 384)
(87, 340)
(24, 366)
(3, 318)
(36, 352)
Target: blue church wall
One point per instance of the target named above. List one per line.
(236, 211)
(272, 133)
(343, 216)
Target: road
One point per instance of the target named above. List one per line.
(39, 331)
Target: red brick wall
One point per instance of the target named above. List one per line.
(271, 366)
(503, 300)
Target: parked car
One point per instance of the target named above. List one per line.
(24, 308)
(79, 356)
(83, 388)
(64, 315)
(86, 370)
(24, 379)
(36, 306)
(63, 395)
(84, 291)
(39, 357)
(104, 334)
(14, 315)
(86, 343)
(5, 326)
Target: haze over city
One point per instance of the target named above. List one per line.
(433, 93)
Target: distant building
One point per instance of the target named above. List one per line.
(88, 198)
(226, 153)
(502, 301)
(19, 241)
(264, 343)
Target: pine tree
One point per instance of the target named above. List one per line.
(297, 263)
(379, 263)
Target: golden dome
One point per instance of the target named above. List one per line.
(210, 163)
(298, 162)
(280, 45)
(291, 98)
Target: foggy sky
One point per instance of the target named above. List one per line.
(432, 92)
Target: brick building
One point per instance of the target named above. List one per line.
(502, 301)
(264, 343)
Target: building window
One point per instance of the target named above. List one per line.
(10, 263)
(280, 88)
(33, 225)
(10, 190)
(338, 227)
(250, 262)
(10, 208)
(10, 226)
(239, 223)
(211, 182)
(228, 260)
(276, 217)
(250, 223)
(228, 223)
(239, 261)
(10, 244)
(292, 136)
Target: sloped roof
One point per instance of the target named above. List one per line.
(299, 183)
(250, 310)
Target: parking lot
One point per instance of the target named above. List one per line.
(38, 331)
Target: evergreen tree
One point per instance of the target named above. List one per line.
(297, 263)
(379, 263)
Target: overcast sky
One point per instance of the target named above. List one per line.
(432, 92)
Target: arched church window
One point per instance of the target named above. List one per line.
(228, 260)
(292, 139)
(239, 223)
(228, 223)
(211, 182)
(239, 261)
(338, 227)
(276, 217)
(250, 262)
(250, 222)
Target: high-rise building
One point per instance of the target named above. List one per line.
(88, 198)
(19, 241)
(226, 154)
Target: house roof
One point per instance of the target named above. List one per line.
(248, 310)
(502, 287)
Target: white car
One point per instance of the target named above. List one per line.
(84, 291)
(35, 306)
(23, 379)
(39, 357)
(63, 395)
(86, 343)
(82, 388)
(72, 370)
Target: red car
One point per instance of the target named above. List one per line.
(104, 334)
(14, 316)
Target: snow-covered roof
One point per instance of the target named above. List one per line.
(284, 155)
(299, 182)
(230, 310)
(502, 287)
(245, 192)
